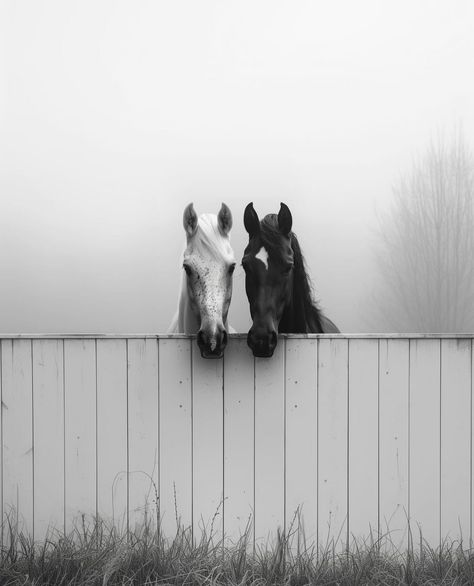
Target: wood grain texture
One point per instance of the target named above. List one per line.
(175, 428)
(239, 420)
(143, 432)
(112, 460)
(394, 440)
(17, 430)
(80, 431)
(48, 437)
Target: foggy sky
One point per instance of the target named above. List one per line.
(114, 115)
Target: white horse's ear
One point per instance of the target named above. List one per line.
(224, 220)
(190, 220)
(285, 220)
(251, 221)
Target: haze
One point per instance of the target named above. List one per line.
(114, 115)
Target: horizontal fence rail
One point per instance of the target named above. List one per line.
(347, 435)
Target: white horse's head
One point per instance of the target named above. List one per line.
(209, 264)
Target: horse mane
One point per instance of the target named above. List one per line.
(304, 315)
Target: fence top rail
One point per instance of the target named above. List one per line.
(97, 336)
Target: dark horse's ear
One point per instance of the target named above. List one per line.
(190, 220)
(285, 221)
(224, 220)
(251, 221)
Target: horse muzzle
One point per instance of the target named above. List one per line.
(262, 342)
(212, 345)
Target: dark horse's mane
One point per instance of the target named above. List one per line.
(302, 315)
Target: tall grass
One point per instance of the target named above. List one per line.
(94, 553)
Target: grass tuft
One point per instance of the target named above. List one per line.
(94, 553)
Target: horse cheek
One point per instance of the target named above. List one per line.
(194, 295)
(227, 296)
(250, 289)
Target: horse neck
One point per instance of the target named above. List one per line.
(300, 315)
(293, 319)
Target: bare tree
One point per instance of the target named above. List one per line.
(426, 254)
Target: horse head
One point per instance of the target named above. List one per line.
(268, 263)
(209, 264)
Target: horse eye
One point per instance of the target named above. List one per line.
(287, 270)
(232, 268)
(187, 268)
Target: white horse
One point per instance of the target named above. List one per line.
(206, 287)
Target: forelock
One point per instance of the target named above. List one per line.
(272, 238)
(209, 238)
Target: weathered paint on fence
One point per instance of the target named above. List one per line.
(356, 433)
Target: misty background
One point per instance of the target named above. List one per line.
(114, 115)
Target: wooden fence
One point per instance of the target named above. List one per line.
(358, 433)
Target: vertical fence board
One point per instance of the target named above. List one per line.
(425, 440)
(455, 438)
(48, 428)
(208, 442)
(269, 443)
(238, 440)
(301, 436)
(17, 420)
(143, 432)
(332, 441)
(80, 429)
(393, 456)
(112, 431)
(363, 437)
(175, 428)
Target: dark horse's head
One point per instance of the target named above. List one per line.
(268, 263)
(277, 286)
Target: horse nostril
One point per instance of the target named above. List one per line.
(200, 338)
(273, 339)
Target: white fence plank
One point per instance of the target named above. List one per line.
(112, 431)
(332, 442)
(455, 438)
(208, 442)
(301, 437)
(239, 421)
(143, 432)
(393, 441)
(48, 436)
(17, 422)
(425, 440)
(363, 437)
(270, 444)
(175, 428)
(80, 429)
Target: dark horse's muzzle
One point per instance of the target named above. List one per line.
(212, 345)
(262, 341)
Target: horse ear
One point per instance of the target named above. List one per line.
(190, 220)
(251, 221)
(285, 221)
(224, 220)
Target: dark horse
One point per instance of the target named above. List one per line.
(277, 286)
